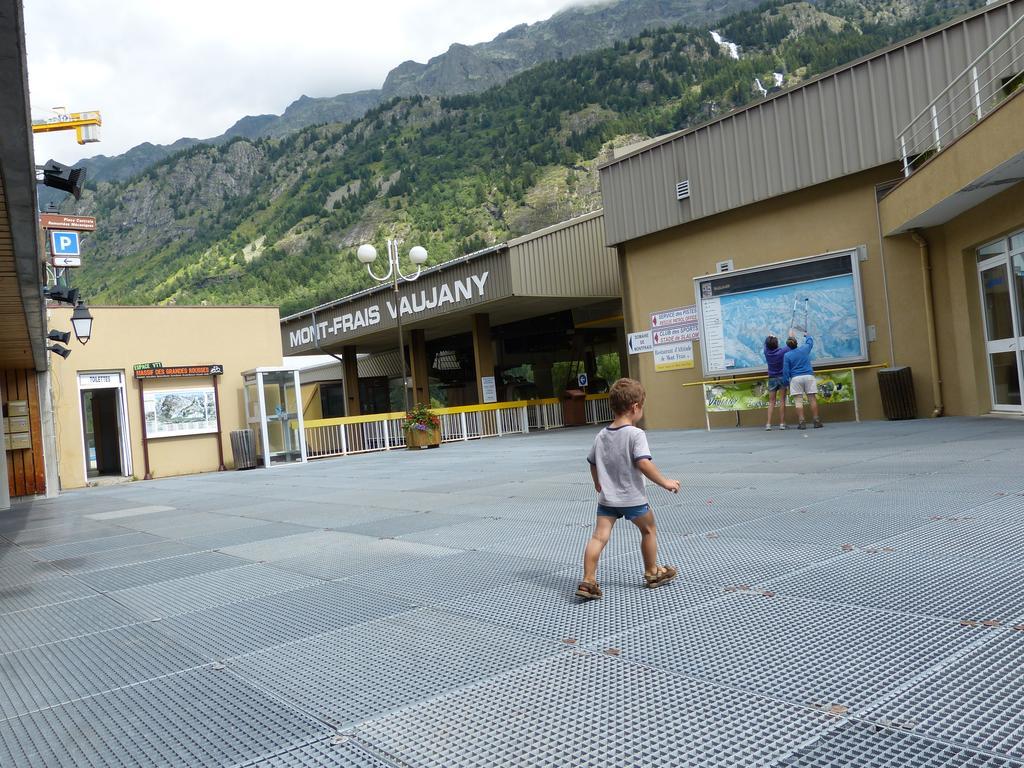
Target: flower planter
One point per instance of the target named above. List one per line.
(415, 439)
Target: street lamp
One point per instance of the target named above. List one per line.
(367, 254)
(81, 322)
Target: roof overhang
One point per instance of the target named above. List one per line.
(22, 311)
(559, 268)
(986, 160)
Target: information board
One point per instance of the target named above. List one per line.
(821, 294)
(173, 413)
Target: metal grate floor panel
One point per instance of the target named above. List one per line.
(586, 709)
(349, 675)
(720, 561)
(49, 675)
(158, 570)
(92, 546)
(548, 607)
(251, 625)
(323, 753)
(447, 578)
(393, 527)
(906, 583)
(806, 653)
(48, 592)
(201, 717)
(261, 532)
(859, 745)
(206, 590)
(60, 621)
(976, 701)
(114, 558)
(971, 538)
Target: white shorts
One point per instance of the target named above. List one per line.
(803, 385)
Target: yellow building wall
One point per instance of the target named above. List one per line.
(959, 318)
(239, 338)
(660, 269)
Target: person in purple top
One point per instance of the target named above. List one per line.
(773, 355)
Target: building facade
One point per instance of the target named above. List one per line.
(104, 406)
(740, 219)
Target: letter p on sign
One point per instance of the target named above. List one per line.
(64, 243)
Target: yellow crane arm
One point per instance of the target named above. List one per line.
(86, 125)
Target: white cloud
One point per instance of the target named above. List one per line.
(161, 71)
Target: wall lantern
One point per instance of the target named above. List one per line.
(81, 322)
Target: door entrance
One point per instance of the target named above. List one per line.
(104, 424)
(1001, 279)
(102, 434)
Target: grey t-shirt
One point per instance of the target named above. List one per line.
(615, 453)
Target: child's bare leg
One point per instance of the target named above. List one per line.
(596, 545)
(771, 407)
(648, 542)
(814, 406)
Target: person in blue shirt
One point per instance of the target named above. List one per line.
(773, 356)
(798, 375)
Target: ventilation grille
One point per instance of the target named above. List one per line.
(683, 189)
(724, 266)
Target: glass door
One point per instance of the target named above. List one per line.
(1001, 278)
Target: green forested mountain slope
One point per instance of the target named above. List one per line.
(275, 220)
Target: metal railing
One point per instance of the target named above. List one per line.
(987, 81)
(383, 431)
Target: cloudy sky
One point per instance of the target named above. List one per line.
(161, 71)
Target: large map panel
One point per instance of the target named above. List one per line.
(820, 295)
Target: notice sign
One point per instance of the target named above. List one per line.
(678, 316)
(675, 334)
(673, 357)
(60, 221)
(181, 370)
(487, 384)
(180, 412)
(640, 342)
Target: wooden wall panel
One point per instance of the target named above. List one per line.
(26, 471)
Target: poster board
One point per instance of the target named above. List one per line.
(738, 309)
(729, 396)
(178, 412)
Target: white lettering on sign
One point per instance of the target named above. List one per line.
(680, 316)
(421, 301)
(675, 333)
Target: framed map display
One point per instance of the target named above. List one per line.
(820, 295)
(177, 412)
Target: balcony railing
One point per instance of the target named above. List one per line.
(988, 80)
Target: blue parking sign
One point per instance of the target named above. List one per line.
(64, 243)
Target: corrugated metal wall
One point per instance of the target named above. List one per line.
(570, 259)
(836, 125)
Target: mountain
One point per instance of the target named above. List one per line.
(276, 220)
(462, 69)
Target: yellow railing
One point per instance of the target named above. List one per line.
(383, 431)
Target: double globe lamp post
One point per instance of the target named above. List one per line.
(367, 254)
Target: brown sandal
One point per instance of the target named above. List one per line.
(588, 590)
(663, 575)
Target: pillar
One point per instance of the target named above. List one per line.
(542, 379)
(420, 366)
(620, 343)
(5, 489)
(350, 379)
(483, 351)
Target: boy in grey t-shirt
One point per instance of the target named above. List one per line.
(619, 461)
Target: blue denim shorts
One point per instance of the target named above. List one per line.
(775, 383)
(629, 513)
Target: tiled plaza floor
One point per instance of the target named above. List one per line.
(851, 596)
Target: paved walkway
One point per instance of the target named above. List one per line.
(849, 597)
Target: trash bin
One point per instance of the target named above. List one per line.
(574, 407)
(896, 386)
(243, 448)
